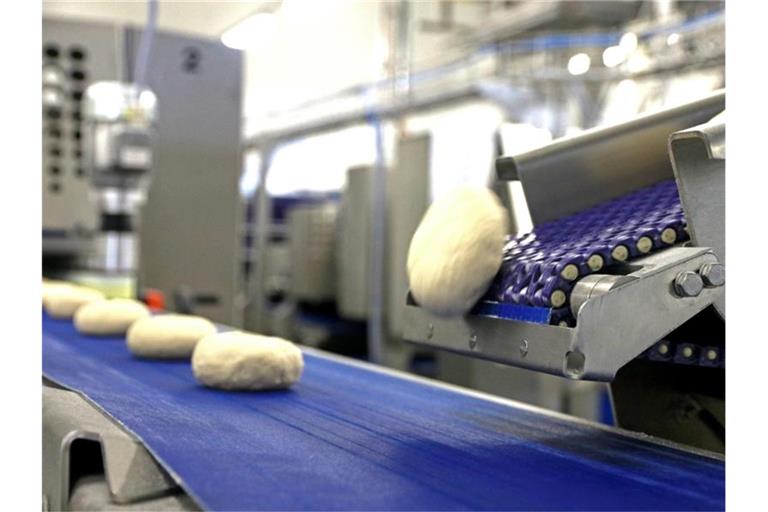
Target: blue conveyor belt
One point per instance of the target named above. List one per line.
(350, 437)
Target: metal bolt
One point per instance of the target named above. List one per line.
(663, 349)
(687, 352)
(473, 341)
(711, 354)
(430, 331)
(524, 348)
(713, 274)
(688, 284)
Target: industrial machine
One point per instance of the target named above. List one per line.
(644, 312)
(620, 281)
(119, 120)
(195, 159)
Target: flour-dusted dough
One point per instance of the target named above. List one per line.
(239, 360)
(61, 300)
(113, 316)
(168, 336)
(51, 287)
(457, 250)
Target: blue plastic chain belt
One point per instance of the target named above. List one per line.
(540, 268)
(350, 437)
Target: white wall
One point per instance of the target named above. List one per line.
(320, 47)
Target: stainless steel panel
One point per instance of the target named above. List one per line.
(65, 189)
(311, 232)
(576, 173)
(189, 223)
(353, 244)
(131, 472)
(408, 200)
(698, 156)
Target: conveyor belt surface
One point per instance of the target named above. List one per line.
(540, 268)
(349, 436)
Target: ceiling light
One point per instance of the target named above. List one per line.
(673, 38)
(579, 64)
(613, 56)
(254, 32)
(628, 42)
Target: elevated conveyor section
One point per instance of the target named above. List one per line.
(611, 268)
(351, 436)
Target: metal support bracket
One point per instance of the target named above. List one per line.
(698, 159)
(615, 322)
(131, 473)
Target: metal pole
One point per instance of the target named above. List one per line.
(259, 233)
(376, 255)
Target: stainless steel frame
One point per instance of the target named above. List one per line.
(131, 472)
(698, 158)
(613, 326)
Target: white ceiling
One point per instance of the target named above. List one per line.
(201, 18)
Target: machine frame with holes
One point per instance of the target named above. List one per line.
(77, 54)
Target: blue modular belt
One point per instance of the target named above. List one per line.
(350, 437)
(540, 268)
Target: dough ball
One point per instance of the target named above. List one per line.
(239, 360)
(167, 336)
(49, 288)
(61, 300)
(112, 316)
(457, 250)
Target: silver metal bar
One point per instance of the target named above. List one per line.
(576, 173)
(256, 302)
(389, 111)
(378, 194)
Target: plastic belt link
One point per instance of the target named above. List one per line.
(540, 268)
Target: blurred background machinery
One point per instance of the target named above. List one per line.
(195, 160)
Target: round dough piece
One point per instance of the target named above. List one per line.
(239, 360)
(457, 250)
(51, 287)
(167, 336)
(113, 316)
(62, 300)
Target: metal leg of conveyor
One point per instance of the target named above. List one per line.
(79, 440)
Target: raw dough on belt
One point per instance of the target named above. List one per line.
(168, 336)
(239, 360)
(113, 316)
(51, 287)
(61, 300)
(457, 250)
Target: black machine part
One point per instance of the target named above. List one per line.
(679, 402)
